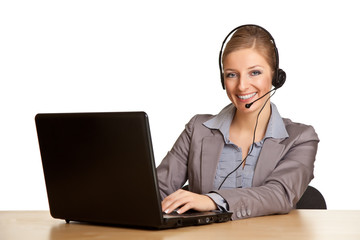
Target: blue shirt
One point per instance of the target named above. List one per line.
(231, 155)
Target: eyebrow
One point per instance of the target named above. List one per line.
(229, 69)
(249, 68)
(256, 66)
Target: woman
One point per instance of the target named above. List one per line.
(246, 159)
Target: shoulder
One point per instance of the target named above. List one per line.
(299, 131)
(201, 118)
(210, 121)
(197, 122)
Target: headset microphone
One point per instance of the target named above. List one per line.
(248, 105)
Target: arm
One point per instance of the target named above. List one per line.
(172, 171)
(172, 174)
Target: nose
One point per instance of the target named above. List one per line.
(243, 83)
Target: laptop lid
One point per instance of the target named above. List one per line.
(99, 167)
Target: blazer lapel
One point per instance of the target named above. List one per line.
(211, 149)
(269, 157)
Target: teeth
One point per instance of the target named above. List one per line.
(246, 96)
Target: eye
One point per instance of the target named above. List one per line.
(255, 73)
(231, 75)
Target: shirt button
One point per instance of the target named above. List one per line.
(238, 214)
(248, 212)
(243, 212)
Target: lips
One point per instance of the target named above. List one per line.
(246, 97)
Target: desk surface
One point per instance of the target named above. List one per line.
(298, 224)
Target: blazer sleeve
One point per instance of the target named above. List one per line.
(284, 186)
(172, 171)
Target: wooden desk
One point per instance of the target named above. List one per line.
(298, 224)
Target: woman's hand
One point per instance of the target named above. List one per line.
(185, 200)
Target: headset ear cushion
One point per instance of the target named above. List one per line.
(280, 79)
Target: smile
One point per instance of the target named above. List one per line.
(245, 97)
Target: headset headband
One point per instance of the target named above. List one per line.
(279, 76)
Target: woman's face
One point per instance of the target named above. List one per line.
(247, 77)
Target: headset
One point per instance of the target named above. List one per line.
(279, 76)
(277, 81)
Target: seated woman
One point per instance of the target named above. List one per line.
(247, 159)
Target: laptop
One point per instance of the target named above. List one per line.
(100, 168)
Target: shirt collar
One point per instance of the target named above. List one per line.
(276, 127)
(222, 121)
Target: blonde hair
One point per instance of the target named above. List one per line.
(254, 37)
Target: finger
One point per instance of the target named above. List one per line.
(176, 204)
(171, 199)
(179, 200)
(185, 202)
(197, 202)
(184, 208)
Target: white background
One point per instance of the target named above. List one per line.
(162, 57)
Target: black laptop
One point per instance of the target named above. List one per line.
(99, 168)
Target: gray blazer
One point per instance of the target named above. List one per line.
(283, 171)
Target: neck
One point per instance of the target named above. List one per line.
(245, 122)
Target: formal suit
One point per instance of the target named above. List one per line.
(282, 173)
